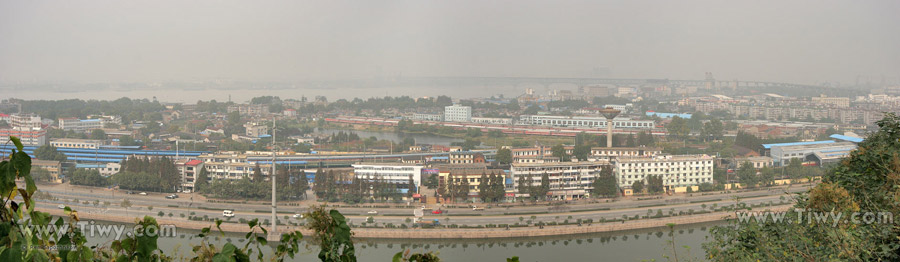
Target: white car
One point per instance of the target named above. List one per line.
(143, 193)
(298, 215)
(228, 213)
(372, 212)
(61, 206)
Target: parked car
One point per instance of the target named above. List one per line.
(61, 206)
(129, 192)
(143, 193)
(372, 212)
(437, 212)
(228, 213)
(298, 215)
(171, 197)
(477, 209)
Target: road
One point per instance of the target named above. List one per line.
(460, 216)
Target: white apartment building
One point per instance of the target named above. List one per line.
(29, 121)
(568, 180)
(615, 152)
(189, 169)
(676, 170)
(28, 136)
(87, 125)
(231, 166)
(76, 143)
(256, 130)
(492, 120)
(457, 113)
(394, 173)
(427, 117)
(581, 121)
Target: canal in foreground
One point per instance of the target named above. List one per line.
(632, 245)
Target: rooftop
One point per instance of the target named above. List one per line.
(663, 158)
(769, 146)
(582, 163)
(847, 138)
(847, 145)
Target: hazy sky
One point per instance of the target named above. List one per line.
(792, 41)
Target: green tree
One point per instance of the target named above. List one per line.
(560, 152)
(655, 184)
(504, 156)
(202, 180)
(581, 152)
(98, 134)
(605, 184)
(866, 181)
(48, 152)
(678, 127)
(257, 173)
(746, 174)
(638, 186)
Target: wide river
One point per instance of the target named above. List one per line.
(633, 245)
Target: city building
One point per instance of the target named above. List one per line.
(472, 175)
(25, 121)
(250, 110)
(189, 169)
(255, 129)
(492, 120)
(52, 166)
(835, 101)
(568, 180)
(76, 143)
(827, 151)
(28, 136)
(457, 113)
(87, 125)
(231, 166)
(105, 169)
(581, 121)
(465, 157)
(427, 117)
(609, 153)
(756, 161)
(393, 173)
(676, 170)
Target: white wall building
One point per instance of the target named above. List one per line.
(676, 170)
(568, 180)
(394, 173)
(76, 143)
(457, 113)
(580, 121)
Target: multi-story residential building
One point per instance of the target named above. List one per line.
(610, 153)
(106, 169)
(457, 113)
(87, 125)
(250, 110)
(568, 180)
(676, 170)
(492, 120)
(835, 101)
(393, 173)
(581, 121)
(52, 166)
(827, 151)
(29, 121)
(465, 157)
(471, 174)
(755, 161)
(428, 117)
(76, 143)
(232, 166)
(189, 169)
(539, 151)
(256, 129)
(28, 136)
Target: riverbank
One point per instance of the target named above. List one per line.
(461, 233)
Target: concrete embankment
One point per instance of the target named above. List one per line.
(459, 233)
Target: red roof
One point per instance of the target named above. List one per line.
(193, 162)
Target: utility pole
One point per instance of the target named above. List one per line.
(272, 177)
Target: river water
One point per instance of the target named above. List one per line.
(633, 245)
(397, 137)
